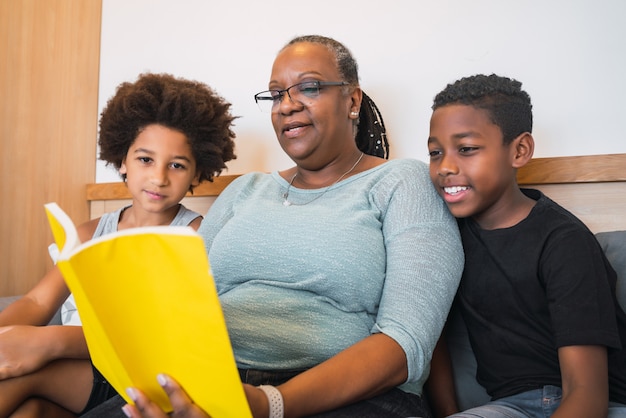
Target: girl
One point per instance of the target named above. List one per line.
(165, 135)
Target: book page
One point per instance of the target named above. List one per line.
(63, 229)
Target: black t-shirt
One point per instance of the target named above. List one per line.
(532, 288)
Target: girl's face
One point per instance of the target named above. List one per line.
(312, 131)
(159, 168)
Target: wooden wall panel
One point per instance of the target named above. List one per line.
(49, 62)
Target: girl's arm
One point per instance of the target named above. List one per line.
(40, 304)
(26, 344)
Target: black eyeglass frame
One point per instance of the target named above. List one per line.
(280, 94)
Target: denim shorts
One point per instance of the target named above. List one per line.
(537, 403)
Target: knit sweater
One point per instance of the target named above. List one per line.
(376, 252)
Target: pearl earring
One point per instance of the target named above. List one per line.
(354, 113)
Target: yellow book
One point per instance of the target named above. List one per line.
(148, 305)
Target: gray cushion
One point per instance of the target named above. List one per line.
(469, 392)
(614, 245)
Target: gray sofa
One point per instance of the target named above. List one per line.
(469, 391)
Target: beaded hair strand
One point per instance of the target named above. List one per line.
(371, 137)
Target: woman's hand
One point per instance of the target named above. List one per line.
(145, 408)
(182, 404)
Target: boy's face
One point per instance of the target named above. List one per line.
(469, 164)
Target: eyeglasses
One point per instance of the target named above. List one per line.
(303, 93)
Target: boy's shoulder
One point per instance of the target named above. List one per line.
(548, 225)
(551, 215)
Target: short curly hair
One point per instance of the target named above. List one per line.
(508, 106)
(187, 106)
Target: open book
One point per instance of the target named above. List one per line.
(149, 305)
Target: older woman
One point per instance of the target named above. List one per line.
(335, 275)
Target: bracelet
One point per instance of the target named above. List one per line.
(275, 399)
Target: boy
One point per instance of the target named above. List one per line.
(537, 292)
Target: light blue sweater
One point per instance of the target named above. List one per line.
(378, 252)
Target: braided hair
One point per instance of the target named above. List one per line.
(371, 136)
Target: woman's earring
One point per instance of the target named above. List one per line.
(354, 113)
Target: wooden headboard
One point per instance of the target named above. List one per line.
(593, 187)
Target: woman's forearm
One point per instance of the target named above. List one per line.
(368, 368)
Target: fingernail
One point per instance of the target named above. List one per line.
(162, 379)
(132, 394)
(126, 411)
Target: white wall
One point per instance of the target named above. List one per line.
(569, 54)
